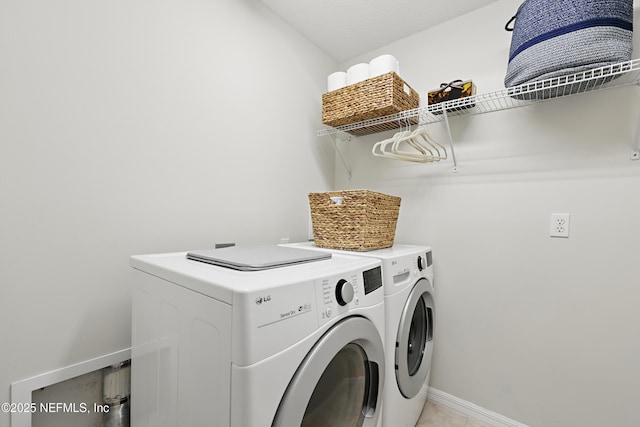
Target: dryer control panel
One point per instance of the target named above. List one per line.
(404, 270)
(424, 261)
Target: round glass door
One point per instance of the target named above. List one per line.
(344, 382)
(417, 337)
(414, 342)
(340, 381)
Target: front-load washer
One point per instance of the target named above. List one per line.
(410, 313)
(299, 345)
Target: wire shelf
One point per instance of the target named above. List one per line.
(615, 75)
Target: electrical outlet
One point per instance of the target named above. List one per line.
(559, 226)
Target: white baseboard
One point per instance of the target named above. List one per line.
(471, 410)
(21, 390)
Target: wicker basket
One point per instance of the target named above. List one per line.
(363, 221)
(369, 99)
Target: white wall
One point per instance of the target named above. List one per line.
(541, 330)
(134, 127)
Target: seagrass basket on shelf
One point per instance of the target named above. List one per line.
(369, 99)
(354, 220)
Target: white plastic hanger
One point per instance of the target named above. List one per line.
(421, 134)
(419, 153)
(381, 149)
(425, 148)
(389, 148)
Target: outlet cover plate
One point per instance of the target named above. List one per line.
(559, 225)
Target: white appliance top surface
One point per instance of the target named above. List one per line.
(221, 282)
(256, 258)
(388, 253)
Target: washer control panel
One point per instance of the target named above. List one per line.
(339, 294)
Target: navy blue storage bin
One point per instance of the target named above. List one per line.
(554, 38)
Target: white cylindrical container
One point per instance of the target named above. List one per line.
(383, 64)
(357, 73)
(336, 80)
(116, 392)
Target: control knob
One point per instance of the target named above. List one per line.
(344, 292)
(420, 263)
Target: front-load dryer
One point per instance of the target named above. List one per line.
(409, 326)
(299, 345)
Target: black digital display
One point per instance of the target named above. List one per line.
(372, 279)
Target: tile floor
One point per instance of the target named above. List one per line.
(434, 415)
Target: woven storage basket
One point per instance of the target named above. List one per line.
(365, 220)
(369, 99)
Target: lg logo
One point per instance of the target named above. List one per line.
(260, 300)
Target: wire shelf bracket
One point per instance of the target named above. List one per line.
(445, 117)
(336, 138)
(635, 147)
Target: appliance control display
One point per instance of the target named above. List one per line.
(344, 292)
(372, 279)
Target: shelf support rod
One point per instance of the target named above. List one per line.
(635, 147)
(453, 153)
(334, 139)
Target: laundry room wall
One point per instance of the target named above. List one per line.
(139, 127)
(539, 329)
